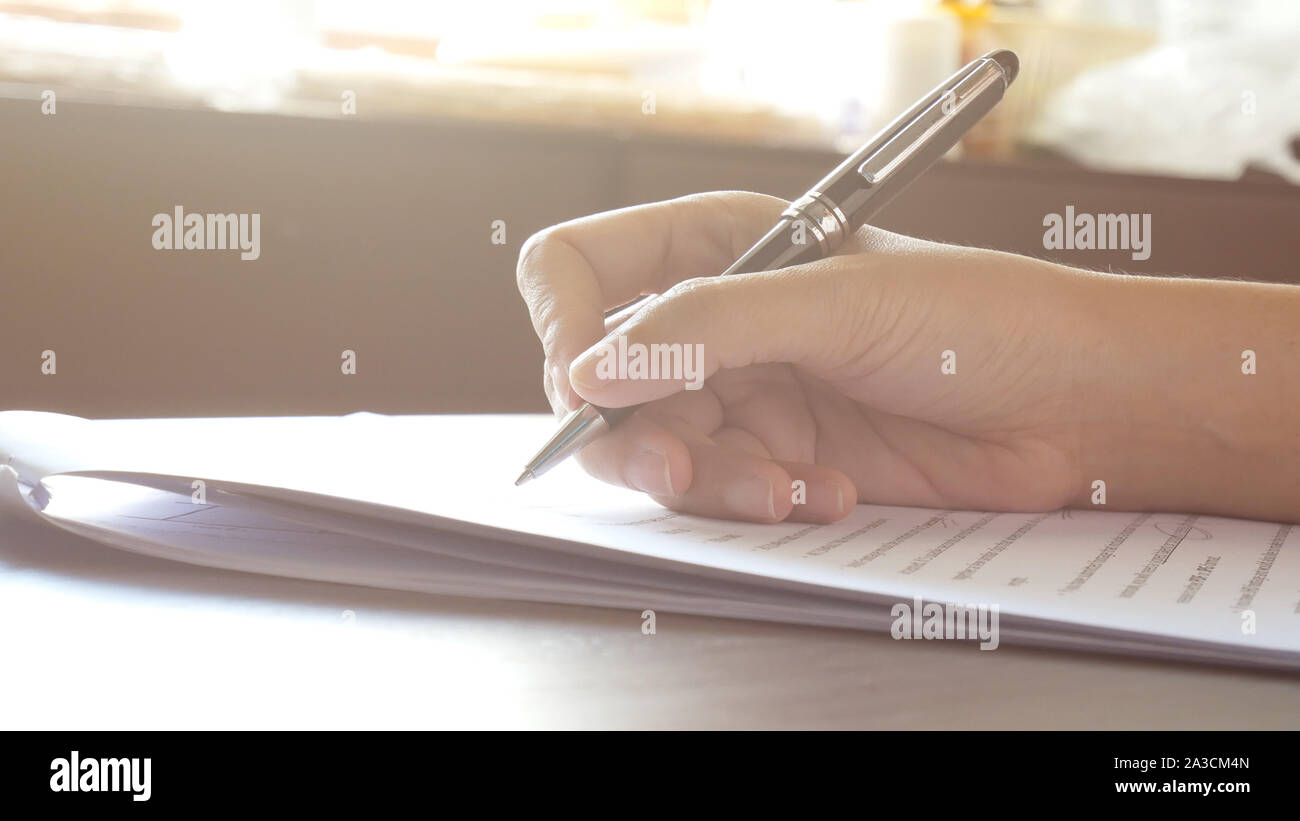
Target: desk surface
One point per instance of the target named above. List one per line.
(105, 639)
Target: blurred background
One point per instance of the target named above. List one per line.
(399, 153)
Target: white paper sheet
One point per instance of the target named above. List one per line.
(1147, 579)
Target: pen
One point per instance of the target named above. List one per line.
(837, 206)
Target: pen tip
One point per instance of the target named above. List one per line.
(526, 476)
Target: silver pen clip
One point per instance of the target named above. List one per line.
(936, 112)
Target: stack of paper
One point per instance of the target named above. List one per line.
(427, 503)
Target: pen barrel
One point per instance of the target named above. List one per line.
(792, 241)
(869, 178)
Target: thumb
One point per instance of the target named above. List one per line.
(808, 315)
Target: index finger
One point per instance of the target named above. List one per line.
(572, 273)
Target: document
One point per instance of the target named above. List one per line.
(427, 503)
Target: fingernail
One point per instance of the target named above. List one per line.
(751, 498)
(585, 369)
(648, 472)
(583, 372)
(833, 490)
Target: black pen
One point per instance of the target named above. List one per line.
(815, 224)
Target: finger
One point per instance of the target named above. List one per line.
(819, 494)
(548, 385)
(770, 402)
(684, 470)
(701, 410)
(568, 400)
(621, 315)
(641, 454)
(739, 440)
(630, 454)
(816, 316)
(561, 404)
(813, 494)
(569, 275)
(731, 484)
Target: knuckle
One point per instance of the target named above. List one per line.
(694, 293)
(688, 303)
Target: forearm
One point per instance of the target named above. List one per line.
(1174, 418)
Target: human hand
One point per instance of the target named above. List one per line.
(831, 373)
(900, 371)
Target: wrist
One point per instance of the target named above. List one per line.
(1170, 419)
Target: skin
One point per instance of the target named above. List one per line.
(830, 373)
